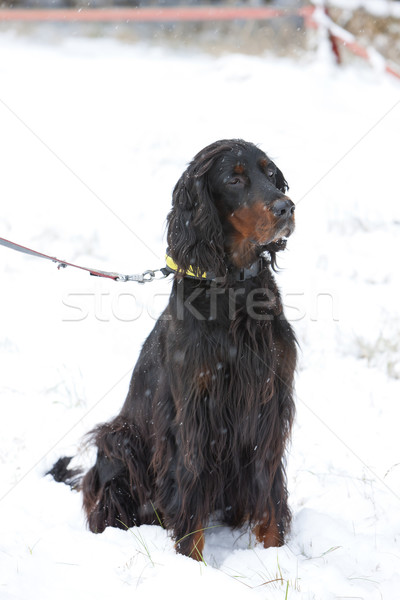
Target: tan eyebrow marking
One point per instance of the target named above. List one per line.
(239, 169)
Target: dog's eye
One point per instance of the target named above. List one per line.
(235, 181)
(271, 173)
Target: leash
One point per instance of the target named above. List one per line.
(145, 277)
(148, 275)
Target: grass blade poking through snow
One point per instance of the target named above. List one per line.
(138, 536)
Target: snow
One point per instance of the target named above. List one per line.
(94, 135)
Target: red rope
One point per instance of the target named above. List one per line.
(152, 14)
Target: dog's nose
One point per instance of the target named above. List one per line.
(283, 207)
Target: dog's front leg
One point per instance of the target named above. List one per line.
(185, 508)
(268, 532)
(192, 543)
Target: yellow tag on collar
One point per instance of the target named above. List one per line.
(196, 273)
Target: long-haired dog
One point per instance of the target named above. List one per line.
(209, 410)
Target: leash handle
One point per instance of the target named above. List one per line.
(145, 277)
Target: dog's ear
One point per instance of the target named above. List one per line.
(195, 237)
(281, 182)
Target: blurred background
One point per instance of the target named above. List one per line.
(374, 22)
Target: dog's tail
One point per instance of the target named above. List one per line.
(62, 474)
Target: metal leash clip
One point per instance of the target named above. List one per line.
(145, 277)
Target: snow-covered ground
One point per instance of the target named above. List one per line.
(93, 135)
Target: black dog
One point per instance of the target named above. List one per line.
(209, 409)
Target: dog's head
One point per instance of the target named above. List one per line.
(228, 207)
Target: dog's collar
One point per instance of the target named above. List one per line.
(240, 274)
(192, 272)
